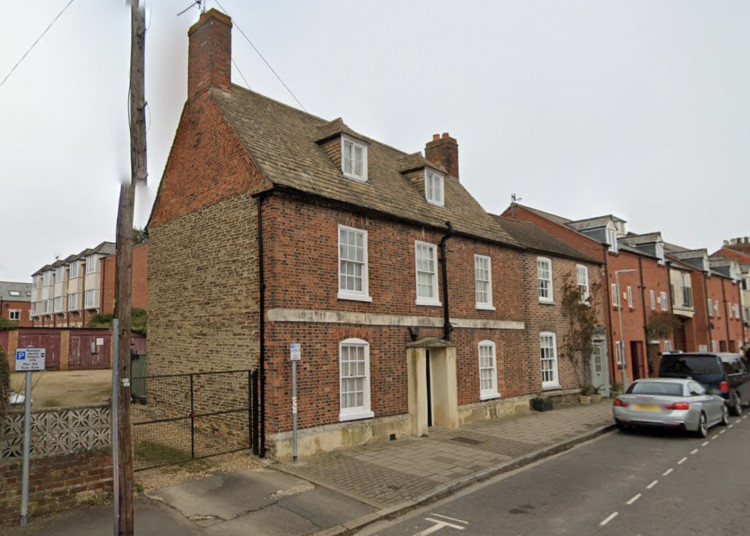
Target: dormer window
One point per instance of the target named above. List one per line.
(612, 239)
(353, 158)
(433, 188)
(660, 252)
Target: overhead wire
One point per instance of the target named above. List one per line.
(35, 42)
(234, 23)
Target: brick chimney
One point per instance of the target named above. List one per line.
(210, 53)
(444, 151)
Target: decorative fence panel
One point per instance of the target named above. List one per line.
(59, 431)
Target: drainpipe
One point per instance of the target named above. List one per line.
(444, 263)
(643, 308)
(262, 330)
(726, 309)
(709, 318)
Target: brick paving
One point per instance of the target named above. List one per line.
(386, 474)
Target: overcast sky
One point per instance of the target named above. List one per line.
(582, 108)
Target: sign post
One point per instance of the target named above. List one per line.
(295, 354)
(27, 360)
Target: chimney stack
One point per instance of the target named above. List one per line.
(444, 151)
(210, 53)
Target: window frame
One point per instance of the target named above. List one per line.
(486, 305)
(73, 271)
(365, 410)
(550, 298)
(653, 299)
(90, 292)
(631, 303)
(435, 299)
(616, 298)
(60, 303)
(664, 304)
(16, 313)
(710, 307)
(554, 383)
(434, 178)
(346, 294)
(92, 264)
(348, 140)
(582, 269)
(492, 391)
(620, 352)
(73, 301)
(611, 235)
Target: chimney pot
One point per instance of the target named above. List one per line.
(435, 137)
(445, 134)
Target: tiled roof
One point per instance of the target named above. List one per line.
(8, 290)
(283, 142)
(104, 248)
(535, 238)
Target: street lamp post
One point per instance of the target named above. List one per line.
(621, 342)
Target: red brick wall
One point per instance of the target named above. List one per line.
(727, 331)
(55, 483)
(23, 306)
(548, 317)
(207, 164)
(301, 247)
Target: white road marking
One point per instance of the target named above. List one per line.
(655, 482)
(723, 432)
(704, 444)
(693, 451)
(744, 416)
(439, 524)
(610, 518)
(715, 437)
(666, 473)
(631, 501)
(682, 461)
(451, 519)
(731, 426)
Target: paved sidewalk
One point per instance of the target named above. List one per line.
(385, 475)
(339, 492)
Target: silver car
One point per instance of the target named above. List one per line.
(670, 403)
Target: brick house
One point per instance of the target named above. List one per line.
(15, 302)
(636, 283)
(733, 251)
(272, 226)
(559, 268)
(70, 291)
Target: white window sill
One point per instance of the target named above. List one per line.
(485, 307)
(435, 203)
(550, 387)
(354, 177)
(429, 303)
(356, 415)
(546, 302)
(354, 297)
(489, 395)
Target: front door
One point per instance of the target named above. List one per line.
(599, 367)
(428, 377)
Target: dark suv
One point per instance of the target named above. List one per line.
(721, 373)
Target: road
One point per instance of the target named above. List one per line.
(620, 484)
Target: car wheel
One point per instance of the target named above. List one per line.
(624, 428)
(702, 426)
(724, 415)
(736, 405)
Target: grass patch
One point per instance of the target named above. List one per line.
(150, 453)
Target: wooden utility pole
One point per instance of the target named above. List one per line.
(124, 263)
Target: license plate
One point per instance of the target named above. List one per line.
(646, 407)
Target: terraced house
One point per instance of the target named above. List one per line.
(273, 226)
